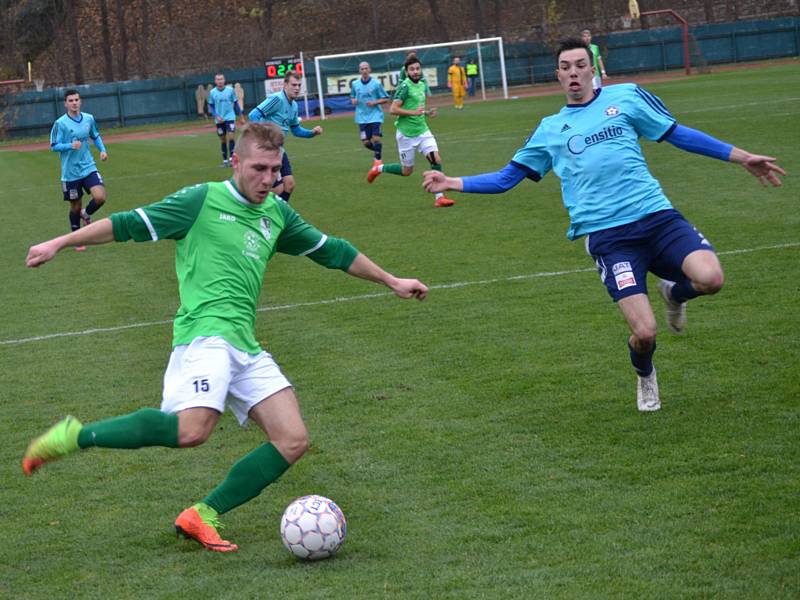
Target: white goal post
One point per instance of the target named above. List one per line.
(322, 89)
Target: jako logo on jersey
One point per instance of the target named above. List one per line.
(227, 217)
(578, 143)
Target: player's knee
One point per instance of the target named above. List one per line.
(644, 334)
(710, 282)
(407, 171)
(293, 445)
(191, 437)
(288, 185)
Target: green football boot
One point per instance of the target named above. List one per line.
(61, 439)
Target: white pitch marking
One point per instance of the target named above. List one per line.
(441, 286)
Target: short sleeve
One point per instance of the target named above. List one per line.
(402, 92)
(171, 218)
(299, 238)
(533, 156)
(651, 119)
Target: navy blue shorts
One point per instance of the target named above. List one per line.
(658, 243)
(369, 131)
(286, 169)
(226, 127)
(73, 190)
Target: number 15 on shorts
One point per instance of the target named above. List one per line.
(201, 385)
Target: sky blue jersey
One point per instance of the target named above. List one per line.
(223, 103)
(75, 164)
(278, 109)
(594, 149)
(364, 92)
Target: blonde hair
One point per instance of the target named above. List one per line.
(265, 136)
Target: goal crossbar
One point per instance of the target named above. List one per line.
(477, 41)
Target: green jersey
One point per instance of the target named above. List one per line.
(596, 56)
(412, 96)
(223, 245)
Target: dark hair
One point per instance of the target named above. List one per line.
(70, 92)
(292, 75)
(411, 60)
(573, 44)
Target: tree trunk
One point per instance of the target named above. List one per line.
(498, 17)
(439, 19)
(119, 7)
(265, 24)
(376, 38)
(74, 35)
(144, 39)
(105, 32)
(480, 17)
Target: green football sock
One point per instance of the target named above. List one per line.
(247, 478)
(393, 168)
(145, 427)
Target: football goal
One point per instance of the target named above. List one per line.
(335, 72)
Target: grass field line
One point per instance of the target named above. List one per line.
(517, 134)
(441, 286)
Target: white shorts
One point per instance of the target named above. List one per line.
(210, 372)
(423, 144)
(597, 82)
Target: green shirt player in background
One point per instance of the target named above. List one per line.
(225, 233)
(597, 60)
(413, 134)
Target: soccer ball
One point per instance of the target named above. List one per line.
(313, 527)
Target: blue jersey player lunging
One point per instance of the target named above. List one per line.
(629, 225)
(224, 107)
(281, 109)
(70, 138)
(367, 95)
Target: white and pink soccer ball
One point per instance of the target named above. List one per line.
(313, 527)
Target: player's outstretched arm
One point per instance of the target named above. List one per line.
(761, 167)
(436, 181)
(100, 232)
(364, 268)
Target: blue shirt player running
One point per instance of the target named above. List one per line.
(224, 107)
(630, 227)
(70, 137)
(367, 95)
(281, 109)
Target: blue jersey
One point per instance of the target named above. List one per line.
(278, 109)
(223, 103)
(75, 164)
(594, 149)
(364, 92)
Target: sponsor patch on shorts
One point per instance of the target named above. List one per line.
(623, 275)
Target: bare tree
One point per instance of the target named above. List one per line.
(376, 38)
(144, 39)
(119, 9)
(105, 31)
(438, 18)
(480, 17)
(74, 35)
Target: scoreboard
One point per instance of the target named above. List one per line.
(275, 70)
(278, 67)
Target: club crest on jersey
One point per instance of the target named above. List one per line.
(266, 227)
(251, 244)
(623, 275)
(612, 111)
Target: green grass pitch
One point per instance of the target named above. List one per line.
(484, 443)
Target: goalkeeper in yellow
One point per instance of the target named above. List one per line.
(457, 82)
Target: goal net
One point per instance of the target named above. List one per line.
(335, 72)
